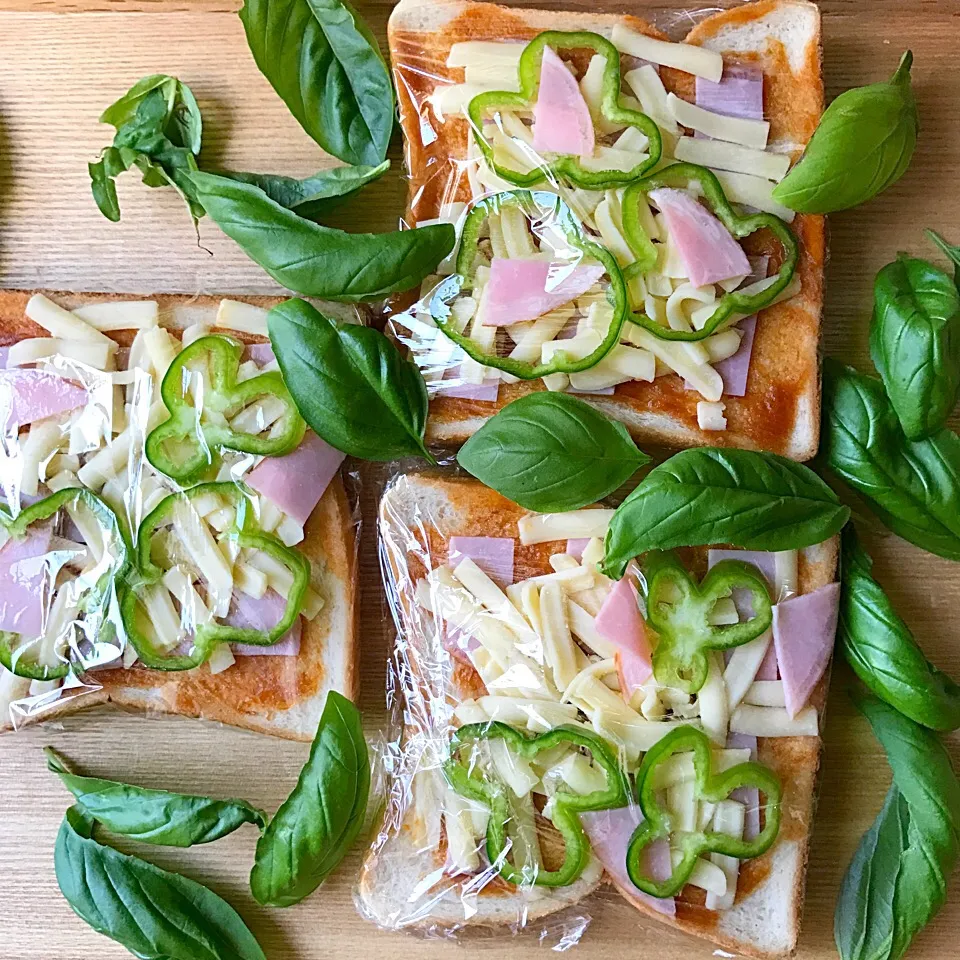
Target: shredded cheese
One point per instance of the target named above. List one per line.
(119, 315)
(572, 525)
(748, 133)
(773, 722)
(733, 157)
(682, 56)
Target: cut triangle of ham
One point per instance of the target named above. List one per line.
(28, 395)
(619, 621)
(561, 117)
(520, 290)
(804, 629)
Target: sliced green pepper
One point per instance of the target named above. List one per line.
(468, 782)
(545, 208)
(709, 787)
(187, 446)
(568, 167)
(244, 533)
(731, 305)
(23, 657)
(679, 612)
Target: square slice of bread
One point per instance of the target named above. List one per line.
(781, 409)
(401, 880)
(277, 695)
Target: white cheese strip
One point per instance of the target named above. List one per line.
(706, 875)
(462, 851)
(621, 364)
(558, 646)
(713, 701)
(428, 787)
(591, 86)
(706, 380)
(515, 771)
(733, 157)
(743, 666)
(680, 767)
(571, 581)
(489, 75)
(728, 818)
(788, 578)
(682, 56)
(162, 615)
(748, 133)
(35, 349)
(221, 659)
(612, 158)
(572, 525)
(161, 348)
(563, 561)
(313, 603)
(542, 330)
(682, 804)
(243, 317)
(724, 612)
(493, 598)
(453, 99)
(536, 715)
(766, 693)
(576, 348)
(516, 233)
(251, 581)
(583, 627)
(635, 736)
(645, 82)
(279, 577)
(722, 345)
(475, 52)
(62, 323)
(578, 773)
(773, 722)
(710, 415)
(41, 443)
(754, 191)
(206, 555)
(12, 689)
(120, 314)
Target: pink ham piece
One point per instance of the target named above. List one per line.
(493, 555)
(763, 560)
(561, 117)
(259, 353)
(297, 481)
(263, 614)
(804, 630)
(738, 93)
(23, 576)
(576, 547)
(768, 669)
(735, 370)
(708, 249)
(452, 386)
(28, 395)
(520, 290)
(619, 621)
(748, 796)
(609, 832)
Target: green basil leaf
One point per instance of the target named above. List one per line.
(863, 921)
(319, 261)
(313, 196)
(326, 66)
(154, 816)
(155, 914)
(882, 651)
(350, 383)
(912, 486)
(551, 452)
(122, 111)
(186, 120)
(915, 343)
(862, 145)
(318, 823)
(758, 501)
(952, 253)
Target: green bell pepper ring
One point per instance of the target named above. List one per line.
(709, 787)
(22, 658)
(568, 167)
(679, 610)
(731, 305)
(566, 805)
(545, 207)
(186, 446)
(207, 636)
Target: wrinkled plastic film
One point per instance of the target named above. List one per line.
(126, 565)
(503, 617)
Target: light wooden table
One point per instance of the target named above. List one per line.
(60, 64)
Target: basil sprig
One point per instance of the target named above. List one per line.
(154, 816)
(325, 64)
(155, 914)
(912, 486)
(350, 383)
(897, 880)
(314, 196)
(159, 131)
(319, 261)
(551, 452)
(862, 145)
(915, 343)
(318, 823)
(951, 252)
(758, 501)
(882, 651)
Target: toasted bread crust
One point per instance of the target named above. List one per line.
(781, 411)
(276, 695)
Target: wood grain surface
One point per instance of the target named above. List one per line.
(60, 64)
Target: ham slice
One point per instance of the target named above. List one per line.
(493, 555)
(520, 290)
(804, 630)
(708, 250)
(738, 93)
(262, 614)
(24, 574)
(768, 669)
(451, 386)
(297, 481)
(735, 370)
(28, 395)
(763, 560)
(748, 796)
(576, 546)
(620, 622)
(561, 117)
(260, 353)
(609, 832)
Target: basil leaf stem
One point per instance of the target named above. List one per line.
(862, 145)
(154, 816)
(912, 486)
(757, 501)
(551, 452)
(155, 914)
(318, 823)
(319, 261)
(951, 252)
(882, 651)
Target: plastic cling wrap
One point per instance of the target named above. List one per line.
(173, 537)
(559, 734)
(618, 237)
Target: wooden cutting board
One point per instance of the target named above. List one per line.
(60, 64)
